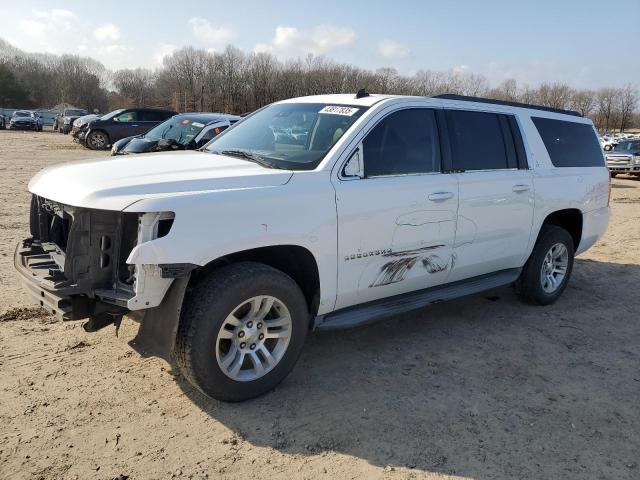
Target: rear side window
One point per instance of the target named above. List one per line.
(153, 116)
(405, 142)
(481, 141)
(569, 144)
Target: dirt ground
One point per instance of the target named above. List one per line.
(482, 387)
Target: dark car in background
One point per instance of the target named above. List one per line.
(185, 131)
(101, 133)
(64, 121)
(25, 120)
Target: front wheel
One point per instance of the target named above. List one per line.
(97, 140)
(547, 272)
(242, 329)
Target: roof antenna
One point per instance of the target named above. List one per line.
(362, 93)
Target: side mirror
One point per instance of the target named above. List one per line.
(354, 168)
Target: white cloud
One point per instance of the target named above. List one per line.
(319, 40)
(45, 23)
(460, 69)
(207, 33)
(390, 49)
(107, 33)
(165, 50)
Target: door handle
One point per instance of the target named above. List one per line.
(439, 196)
(521, 188)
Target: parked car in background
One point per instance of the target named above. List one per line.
(63, 122)
(3, 122)
(99, 134)
(81, 122)
(624, 158)
(375, 205)
(25, 120)
(607, 143)
(186, 131)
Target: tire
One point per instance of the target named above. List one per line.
(530, 287)
(614, 175)
(200, 351)
(98, 140)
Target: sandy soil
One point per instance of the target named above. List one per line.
(483, 387)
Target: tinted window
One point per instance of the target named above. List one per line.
(404, 142)
(569, 144)
(478, 142)
(151, 116)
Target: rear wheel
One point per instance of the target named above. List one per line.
(547, 272)
(613, 175)
(242, 329)
(97, 140)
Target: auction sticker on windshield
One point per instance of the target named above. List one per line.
(337, 110)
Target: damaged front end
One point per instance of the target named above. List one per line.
(75, 262)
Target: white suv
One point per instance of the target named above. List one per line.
(315, 213)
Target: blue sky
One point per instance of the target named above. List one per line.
(584, 43)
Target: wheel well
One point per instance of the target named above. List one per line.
(297, 262)
(569, 219)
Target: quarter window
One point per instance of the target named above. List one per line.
(405, 142)
(480, 141)
(569, 144)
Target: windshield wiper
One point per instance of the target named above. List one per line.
(252, 157)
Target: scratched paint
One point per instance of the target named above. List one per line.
(396, 270)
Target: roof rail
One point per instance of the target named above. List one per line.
(465, 98)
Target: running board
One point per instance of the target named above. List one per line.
(372, 311)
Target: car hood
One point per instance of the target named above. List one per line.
(114, 183)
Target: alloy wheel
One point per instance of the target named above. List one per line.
(554, 268)
(253, 338)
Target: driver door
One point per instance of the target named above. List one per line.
(397, 212)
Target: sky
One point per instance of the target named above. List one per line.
(587, 44)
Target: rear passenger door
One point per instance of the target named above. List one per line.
(496, 196)
(148, 119)
(396, 218)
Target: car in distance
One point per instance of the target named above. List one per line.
(377, 205)
(186, 131)
(63, 122)
(101, 133)
(25, 120)
(3, 122)
(624, 158)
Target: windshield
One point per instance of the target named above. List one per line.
(112, 114)
(76, 113)
(295, 136)
(22, 114)
(627, 146)
(182, 130)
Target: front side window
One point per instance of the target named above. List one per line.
(405, 142)
(570, 144)
(478, 141)
(127, 117)
(295, 136)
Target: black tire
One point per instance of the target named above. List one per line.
(205, 308)
(529, 286)
(613, 175)
(94, 144)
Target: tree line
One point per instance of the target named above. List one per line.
(234, 81)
